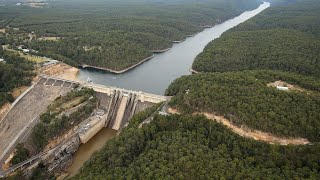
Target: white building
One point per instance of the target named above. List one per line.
(2, 60)
(25, 50)
(282, 88)
(50, 62)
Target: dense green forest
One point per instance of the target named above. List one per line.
(14, 72)
(115, 34)
(282, 2)
(21, 154)
(186, 147)
(245, 98)
(280, 38)
(55, 121)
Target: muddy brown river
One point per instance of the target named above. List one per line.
(85, 151)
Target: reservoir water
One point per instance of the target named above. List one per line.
(155, 75)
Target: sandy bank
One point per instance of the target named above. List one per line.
(60, 70)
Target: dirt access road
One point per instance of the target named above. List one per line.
(250, 133)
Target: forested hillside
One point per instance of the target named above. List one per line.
(115, 34)
(246, 98)
(193, 147)
(14, 72)
(281, 38)
(185, 147)
(282, 2)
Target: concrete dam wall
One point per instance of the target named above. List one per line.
(116, 105)
(115, 111)
(115, 108)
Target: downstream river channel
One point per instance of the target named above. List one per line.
(155, 75)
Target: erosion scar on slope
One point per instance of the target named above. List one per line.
(250, 133)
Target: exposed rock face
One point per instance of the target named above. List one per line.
(65, 162)
(72, 145)
(64, 156)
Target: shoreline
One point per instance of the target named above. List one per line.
(180, 41)
(193, 71)
(160, 51)
(156, 52)
(115, 71)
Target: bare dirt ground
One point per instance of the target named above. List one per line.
(250, 133)
(284, 84)
(18, 91)
(49, 38)
(28, 108)
(3, 110)
(36, 4)
(61, 70)
(58, 140)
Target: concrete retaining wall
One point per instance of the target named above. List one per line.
(95, 126)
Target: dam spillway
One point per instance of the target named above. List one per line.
(114, 112)
(120, 113)
(115, 107)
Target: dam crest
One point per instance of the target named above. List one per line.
(116, 106)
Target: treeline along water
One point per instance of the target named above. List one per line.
(155, 75)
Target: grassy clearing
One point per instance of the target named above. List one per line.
(29, 57)
(57, 107)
